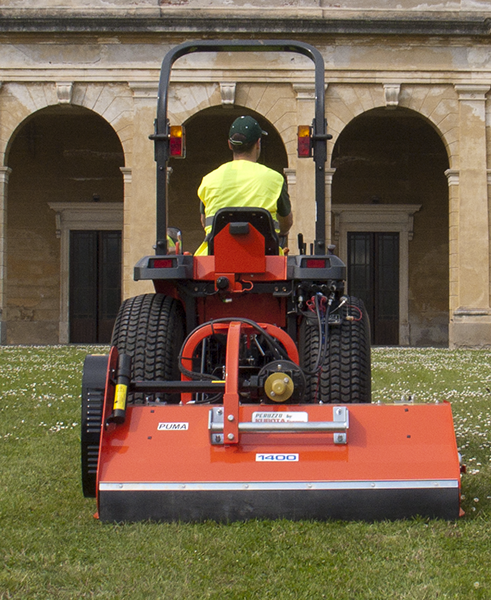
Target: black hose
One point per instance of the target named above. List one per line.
(322, 354)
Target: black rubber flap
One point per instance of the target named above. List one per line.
(226, 506)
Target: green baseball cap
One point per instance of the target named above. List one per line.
(245, 130)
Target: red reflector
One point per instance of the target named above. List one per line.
(304, 148)
(176, 147)
(315, 263)
(162, 263)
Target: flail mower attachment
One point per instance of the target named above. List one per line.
(215, 457)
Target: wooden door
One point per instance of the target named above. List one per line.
(373, 276)
(95, 285)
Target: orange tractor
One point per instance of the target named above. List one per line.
(241, 388)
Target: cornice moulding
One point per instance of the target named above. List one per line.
(249, 20)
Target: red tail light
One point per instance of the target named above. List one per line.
(177, 141)
(304, 141)
(161, 263)
(315, 263)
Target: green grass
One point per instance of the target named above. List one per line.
(52, 548)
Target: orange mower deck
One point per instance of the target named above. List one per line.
(397, 461)
(232, 461)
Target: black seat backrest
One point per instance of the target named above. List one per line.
(260, 218)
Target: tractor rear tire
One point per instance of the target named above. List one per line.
(345, 377)
(93, 388)
(151, 329)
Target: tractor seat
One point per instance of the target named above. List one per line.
(259, 218)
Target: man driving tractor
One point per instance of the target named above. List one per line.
(243, 182)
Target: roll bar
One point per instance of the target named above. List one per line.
(162, 124)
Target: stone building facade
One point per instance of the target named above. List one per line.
(408, 181)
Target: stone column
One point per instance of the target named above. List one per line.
(4, 180)
(303, 202)
(140, 190)
(470, 315)
(128, 209)
(329, 175)
(453, 219)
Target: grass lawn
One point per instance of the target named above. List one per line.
(52, 548)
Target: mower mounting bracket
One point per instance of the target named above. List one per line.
(338, 426)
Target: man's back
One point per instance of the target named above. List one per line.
(240, 183)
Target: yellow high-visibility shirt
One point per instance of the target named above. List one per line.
(239, 183)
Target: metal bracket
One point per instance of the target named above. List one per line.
(338, 426)
(215, 421)
(341, 415)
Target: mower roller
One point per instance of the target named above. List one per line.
(241, 388)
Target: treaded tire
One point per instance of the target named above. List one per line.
(151, 328)
(345, 377)
(93, 387)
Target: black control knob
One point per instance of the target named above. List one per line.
(222, 283)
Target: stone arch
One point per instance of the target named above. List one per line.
(64, 127)
(112, 102)
(387, 163)
(438, 104)
(60, 156)
(345, 102)
(275, 102)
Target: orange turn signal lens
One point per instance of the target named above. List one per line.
(177, 140)
(304, 141)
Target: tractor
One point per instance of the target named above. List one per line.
(241, 388)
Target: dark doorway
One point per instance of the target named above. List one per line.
(95, 285)
(373, 276)
(397, 157)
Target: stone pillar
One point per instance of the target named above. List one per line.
(126, 265)
(139, 228)
(329, 175)
(470, 315)
(453, 220)
(303, 202)
(4, 180)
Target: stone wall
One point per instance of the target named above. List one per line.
(433, 60)
(361, 9)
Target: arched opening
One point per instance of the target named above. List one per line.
(390, 198)
(206, 149)
(63, 288)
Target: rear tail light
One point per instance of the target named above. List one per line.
(161, 263)
(304, 141)
(177, 141)
(314, 263)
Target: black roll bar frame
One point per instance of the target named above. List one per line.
(162, 124)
